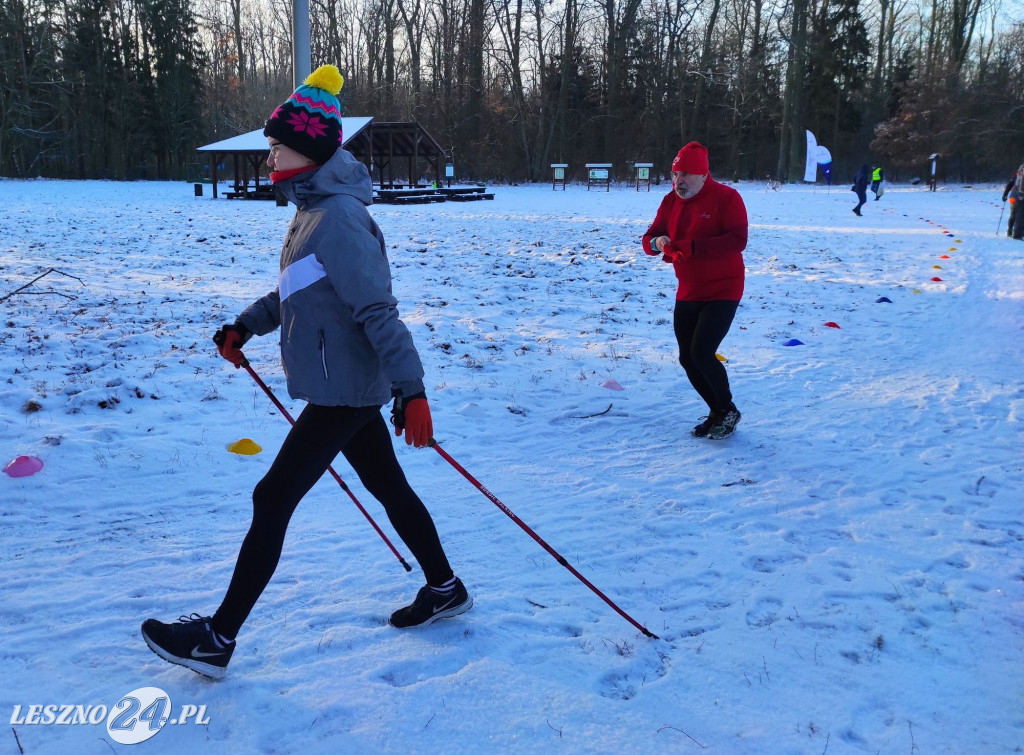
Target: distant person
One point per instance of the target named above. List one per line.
(877, 176)
(346, 353)
(701, 229)
(1010, 190)
(1017, 225)
(860, 185)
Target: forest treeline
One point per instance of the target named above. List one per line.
(129, 88)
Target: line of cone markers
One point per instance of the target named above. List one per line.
(885, 299)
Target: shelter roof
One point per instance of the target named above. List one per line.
(255, 141)
(403, 139)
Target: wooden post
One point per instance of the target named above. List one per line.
(214, 162)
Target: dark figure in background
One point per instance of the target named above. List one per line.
(1017, 190)
(1010, 190)
(860, 185)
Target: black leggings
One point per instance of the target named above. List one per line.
(862, 197)
(700, 328)
(319, 434)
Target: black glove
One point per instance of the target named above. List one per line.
(229, 340)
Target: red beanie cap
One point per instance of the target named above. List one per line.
(693, 158)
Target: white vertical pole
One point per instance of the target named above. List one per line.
(301, 55)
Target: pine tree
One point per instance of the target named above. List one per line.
(175, 94)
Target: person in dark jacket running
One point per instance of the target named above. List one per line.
(701, 229)
(345, 352)
(860, 185)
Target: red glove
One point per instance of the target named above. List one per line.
(229, 340)
(678, 251)
(412, 415)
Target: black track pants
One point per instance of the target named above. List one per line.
(862, 197)
(700, 328)
(319, 434)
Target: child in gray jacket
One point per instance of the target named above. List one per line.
(345, 352)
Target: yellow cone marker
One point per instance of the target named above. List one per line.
(245, 447)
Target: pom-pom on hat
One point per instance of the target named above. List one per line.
(693, 158)
(310, 120)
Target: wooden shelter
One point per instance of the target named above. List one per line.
(401, 146)
(383, 147)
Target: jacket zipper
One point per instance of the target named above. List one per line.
(323, 355)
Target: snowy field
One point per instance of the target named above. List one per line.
(845, 574)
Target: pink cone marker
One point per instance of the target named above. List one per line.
(23, 466)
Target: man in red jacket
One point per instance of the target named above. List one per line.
(701, 229)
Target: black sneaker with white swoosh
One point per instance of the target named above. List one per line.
(431, 605)
(189, 642)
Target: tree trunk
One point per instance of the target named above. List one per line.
(703, 75)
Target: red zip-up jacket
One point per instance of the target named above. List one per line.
(709, 234)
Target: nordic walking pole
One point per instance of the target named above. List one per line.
(335, 475)
(540, 541)
(999, 225)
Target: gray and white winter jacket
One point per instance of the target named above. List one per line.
(342, 342)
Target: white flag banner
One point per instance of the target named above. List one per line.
(811, 163)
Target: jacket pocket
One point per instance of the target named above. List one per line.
(323, 355)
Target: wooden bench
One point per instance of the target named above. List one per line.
(423, 199)
(408, 196)
(465, 193)
(262, 193)
(426, 195)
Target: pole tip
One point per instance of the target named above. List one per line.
(405, 564)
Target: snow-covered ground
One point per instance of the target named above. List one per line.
(844, 575)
